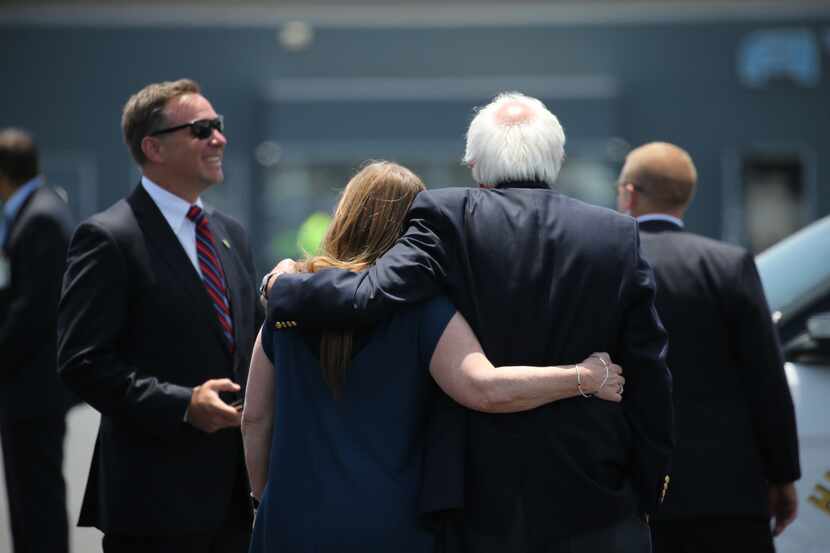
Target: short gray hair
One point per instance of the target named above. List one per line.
(530, 150)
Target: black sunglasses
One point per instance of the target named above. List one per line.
(201, 129)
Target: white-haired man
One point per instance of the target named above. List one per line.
(540, 277)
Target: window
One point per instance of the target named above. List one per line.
(773, 195)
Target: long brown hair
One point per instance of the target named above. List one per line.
(367, 221)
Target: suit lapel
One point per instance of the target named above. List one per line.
(162, 239)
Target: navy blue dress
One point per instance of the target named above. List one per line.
(344, 475)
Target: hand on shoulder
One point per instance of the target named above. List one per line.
(286, 266)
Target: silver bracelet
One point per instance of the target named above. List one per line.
(579, 383)
(604, 364)
(579, 378)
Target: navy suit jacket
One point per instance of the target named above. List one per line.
(542, 279)
(735, 419)
(137, 331)
(36, 249)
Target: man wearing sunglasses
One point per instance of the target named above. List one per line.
(156, 325)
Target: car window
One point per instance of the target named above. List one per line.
(797, 267)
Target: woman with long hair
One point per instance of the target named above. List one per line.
(334, 423)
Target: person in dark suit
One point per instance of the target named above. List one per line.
(156, 324)
(34, 236)
(348, 478)
(737, 448)
(540, 277)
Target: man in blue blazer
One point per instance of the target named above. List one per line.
(541, 278)
(737, 445)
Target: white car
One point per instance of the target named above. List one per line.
(796, 277)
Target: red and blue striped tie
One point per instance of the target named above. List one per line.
(212, 274)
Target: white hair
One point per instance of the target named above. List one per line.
(499, 151)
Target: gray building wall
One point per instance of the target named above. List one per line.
(632, 82)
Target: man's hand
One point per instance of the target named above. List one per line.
(208, 412)
(783, 505)
(592, 373)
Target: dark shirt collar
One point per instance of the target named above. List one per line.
(522, 184)
(661, 217)
(659, 223)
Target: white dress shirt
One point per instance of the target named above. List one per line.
(175, 211)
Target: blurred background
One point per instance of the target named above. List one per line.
(310, 89)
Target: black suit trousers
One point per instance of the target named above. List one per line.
(713, 535)
(225, 540)
(33, 462)
(234, 540)
(233, 536)
(630, 535)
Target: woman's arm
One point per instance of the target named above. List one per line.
(258, 418)
(461, 369)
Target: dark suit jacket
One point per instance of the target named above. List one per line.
(36, 249)
(542, 279)
(735, 419)
(137, 332)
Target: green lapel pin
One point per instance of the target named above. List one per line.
(226, 243)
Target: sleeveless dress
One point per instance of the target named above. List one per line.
(344, 474)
